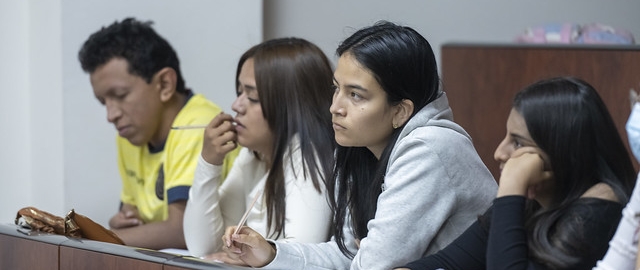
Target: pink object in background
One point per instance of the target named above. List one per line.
(570, 33)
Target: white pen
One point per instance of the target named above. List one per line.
(246, 213)
(194, 126)
(189, 127)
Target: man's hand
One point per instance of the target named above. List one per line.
(156, 235)
(125, 218)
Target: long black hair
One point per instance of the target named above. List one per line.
(403, 63)
(568, 120)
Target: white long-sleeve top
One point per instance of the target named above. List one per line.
(623, 247)
(213, 207)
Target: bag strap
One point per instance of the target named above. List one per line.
(89, 229)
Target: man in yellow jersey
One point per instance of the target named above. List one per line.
(135, 74)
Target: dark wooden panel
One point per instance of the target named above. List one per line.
(21, 248)
(481, 80)
(74, 258)
(183, 263)
(20, 253)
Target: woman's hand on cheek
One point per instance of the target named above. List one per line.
(540, 188)
(525, 168)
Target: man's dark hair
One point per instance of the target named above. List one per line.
(135, 41)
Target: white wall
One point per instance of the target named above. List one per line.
(46, 107)
(30, 107)
(328, 22)
(15, 156)
(59, 149)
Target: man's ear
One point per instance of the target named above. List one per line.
(403, 112)
(166, 80)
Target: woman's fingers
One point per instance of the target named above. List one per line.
(247, 245)
(219, 119)
(219, 139)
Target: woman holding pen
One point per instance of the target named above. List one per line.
(282, 121)
(404, 170)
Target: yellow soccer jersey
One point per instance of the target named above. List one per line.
(152, 179)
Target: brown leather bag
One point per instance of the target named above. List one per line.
(73, 225)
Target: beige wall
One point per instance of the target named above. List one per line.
(327, 22)
(58, 149)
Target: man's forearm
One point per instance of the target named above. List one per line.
(156, 235)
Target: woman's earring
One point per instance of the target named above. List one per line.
(395, 126)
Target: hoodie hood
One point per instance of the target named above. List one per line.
(436, 113)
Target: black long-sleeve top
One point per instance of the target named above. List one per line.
(502, 243)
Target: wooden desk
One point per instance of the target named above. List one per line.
(23, 249)
(183, 263)
(86, 254)
(482, 79)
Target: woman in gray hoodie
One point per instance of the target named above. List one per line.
(405, 172)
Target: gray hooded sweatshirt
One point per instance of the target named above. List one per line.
(435, 186)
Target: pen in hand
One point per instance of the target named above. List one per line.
(189, 127)
(194, 126)
(246, 213)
